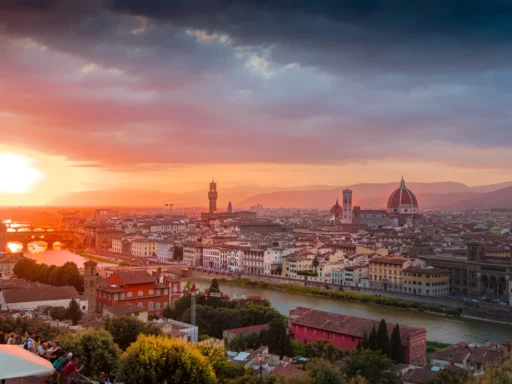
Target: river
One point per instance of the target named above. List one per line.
(439, 328)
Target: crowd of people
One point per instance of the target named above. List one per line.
(63, 362)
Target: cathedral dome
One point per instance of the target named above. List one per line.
(336, 209)
(402, 201)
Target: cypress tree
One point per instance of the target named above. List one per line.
(372, 340)
(397, 352)
(383, 338)
(365, 343)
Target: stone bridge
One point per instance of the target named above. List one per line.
(67, 238)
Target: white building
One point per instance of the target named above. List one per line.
(164, 251)
(31, 298)
(193, 253)
(211, 257)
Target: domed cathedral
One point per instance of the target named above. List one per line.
(336, 212)
(403, 205)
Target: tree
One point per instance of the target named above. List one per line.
(58, 313)
(74, 313)
(167, 313)
(153, 359)
(396, 349)
(126, 329)
(214, 286)
(277, 339)
(320, 371)
(178, 253)
(383, 338)
(365, 343)
(373, 341)
(316, 262)
(216, 355)
(372, 365)
(95, 350)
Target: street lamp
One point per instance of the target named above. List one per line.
(261, 359)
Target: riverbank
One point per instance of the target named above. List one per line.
(348, 296)
(102, 259)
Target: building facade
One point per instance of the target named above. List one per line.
(426, 281)
(136, 288)
(346, 332)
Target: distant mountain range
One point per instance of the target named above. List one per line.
(367, 195)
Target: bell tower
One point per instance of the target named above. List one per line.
(212, 197)
(347, 207)
(90, 284)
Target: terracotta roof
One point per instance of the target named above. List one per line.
(347, 325)
(124, 310)
(486, 355)
(14, 283)
(136, 277)
(419, 375)
(248, 329)
(25, 295)
(288, 369)
(458, 352)
(388, 260)
(402, 196)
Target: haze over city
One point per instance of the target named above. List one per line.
(161, 96)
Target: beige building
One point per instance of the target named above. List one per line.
(126, 310)
(193, 254)
(426, 281)
(144, 248)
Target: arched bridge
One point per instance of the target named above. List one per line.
(25, 237)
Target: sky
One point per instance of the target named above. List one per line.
(153, 94)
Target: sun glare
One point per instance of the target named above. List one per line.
(18, 174)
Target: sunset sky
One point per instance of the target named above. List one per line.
(164, 95)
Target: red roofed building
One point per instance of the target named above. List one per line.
(345, 332)
(229, 334)
(136, 288)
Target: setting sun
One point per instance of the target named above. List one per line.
(18, 174)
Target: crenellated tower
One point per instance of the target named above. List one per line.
(212, 197)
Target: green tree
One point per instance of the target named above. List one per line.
(299, 349)
(167, 313)
(277, 338)
(216, 355)
(74, 313)
(450, 376)
(373, 340)
(315, 262)
(396, 349)
(126, 329)
(383, 338)
(320, 371)
(58, 313)
(96, 351)
(365, 343)
(371, 365)
(214, 286)
(153, 359)
(178, 253)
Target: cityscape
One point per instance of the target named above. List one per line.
(244, 192)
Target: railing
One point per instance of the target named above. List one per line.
(79, 379)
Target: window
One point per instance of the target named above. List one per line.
(150, 306)
(140, 305)
(110, 296)
(151, 292)
(158, 291)
(166, 291)
(129, 294)
(122, 296)
(353, 339)
(157, 305)
(140, 293)
(116, 296)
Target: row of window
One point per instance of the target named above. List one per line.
(325, 334)
(116, 296)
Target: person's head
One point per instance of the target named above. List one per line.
(12, 334)
(70, 355)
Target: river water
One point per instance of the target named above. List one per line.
(439, 328)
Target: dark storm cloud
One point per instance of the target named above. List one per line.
(388, 74)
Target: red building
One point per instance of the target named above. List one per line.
(136, 288)
(345, 332)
